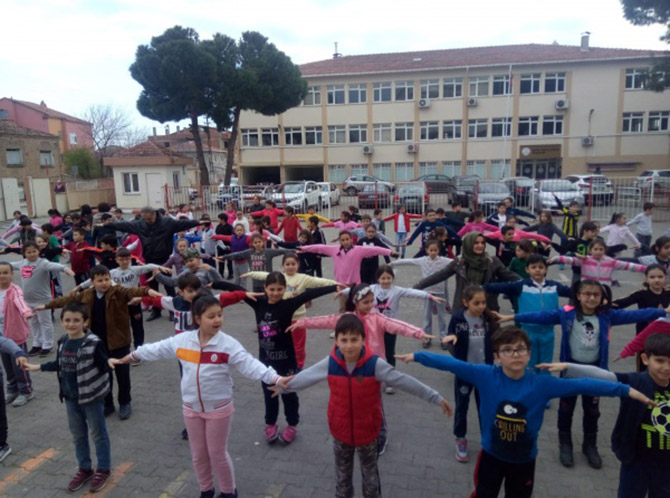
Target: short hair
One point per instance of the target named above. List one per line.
(379, 211)
(288, 210)
(256, 236)
(48, 228)
(430, 210)
(99, 270)
(647, 206)
(384, 269)
(508, 335)
(189, 281)
(366, 217)
(439, 211)
(25, 221)
(534, 259)
(148, 210)
(349, 324)
(27, 245)
(527, 245)
(80, 231)
(657, 345)
(223, 216)
(109, 239)
(191, 253)
(506, 229)
(501, 204)
(105, 217)
(314, 220)
(311, 206)
(455, 203)
(76, 307)
(588, 226)
(123, 252)
(104, 207)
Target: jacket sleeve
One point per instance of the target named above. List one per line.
(161, 350)
(501, 272)
(385, 239)
(577, 371)
(308, 295)
(20, 303)
(412, 293)
(169, 281)
(470, 373)
(258, 275)
(521, 212)
(637, 344)
(164, 302)
(560, 388)
(182, 225)
(629, 235)
(100, 357)
(415, 234)
(309, 282)
(8, 346)
(310, 376)
(393, 326)
(326, 322)
(373, 251)
(508, 288)
(563, 290)
(569, 260)
(61, 301)
(55, 266)
(125, 226)
(437, 277)
(620, 317)
(629, 300)
(624, 265)
(320, 249)
(392, 377)
(548, 317)
(392, 217)
(230, 298)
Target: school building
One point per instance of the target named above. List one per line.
(543, 111)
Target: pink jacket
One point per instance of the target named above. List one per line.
(347, 265)
(660, 326)
(375, 326)
(16, 312)
(134, 241)
(599, 269)
(349, 225)
(479, 227)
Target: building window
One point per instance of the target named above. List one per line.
(530, 83)
(428, 168)
(554, 83)
(404, 90)
(477, 168)
(501, 127)
(293, 136)
(452, 129)
(452, 88)
(404, 132)
(633, 122)
(335, 94)
(337, 172)
(479, 86)
(658, 121)
(500, 168)
(358, 134)
(404, 172)
(382, 171)
(313, 96)
(636, 78)
(381, 92)
(249, 137)
(430, 89)
(313, 135)
(359, 169)
(451, 168)
(502, 84)
(528, 126)
(552, 125)
(430, 130)
(131, 183)
(14, 157)
(337, 134)
(46, 159)
(175, 179)
(382, 132)
(477, 128)
(73, 139)
(270, 137)
(358, 94)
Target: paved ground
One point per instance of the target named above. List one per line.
(150, 459)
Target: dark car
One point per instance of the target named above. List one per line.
(414, 196)
(521, 188)
(375, 196)
(465, 190)
(437, 184)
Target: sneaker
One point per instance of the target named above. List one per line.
(288, 435)
(153, 316)
(184, 434)
(80, 478)
(9, 397)
(228, 495)
(207, 494)
(389, 390)
(34, 351)
(616, 283)
(426, 344)
(381, 445)
(271, 433)
(462, 450)
(22, 399)
(5, 450)
(99, 481)
(44, 352)
(124, 411)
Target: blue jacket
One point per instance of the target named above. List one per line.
(565, 316)
(531, 296)
(458, 326)
(426, 227)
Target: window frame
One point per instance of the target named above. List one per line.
(13, 151)
(361, 92)
(272, 134)
(558, 79)
(555, 121)
(290, 133)
(247, 135)
(534, 80)
(456, 168)
(315, 93)
(474, 127)
(507, 82)
(335, 131)
(334, 93)
(457, 127)
(472, 165)
(131, 180)
(664, 119)
(456, 83)
(407, 169)
(50, 155)
(636, 78)
(630, 119)
(378, 131)
(430, 88)
(382, 171)
(360, 132)
(73, 138)
(425, 165)
(407, 89)
(337, 168)
(429, 130)
(407, 127)
(533, 123)
(506, 169)
(476, 82)
(505, 126)
(379, 90)
(317, 131)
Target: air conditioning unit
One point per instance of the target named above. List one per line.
(368, 149)
(424, 103)
(587, 141)
(562, 104)
(472, 101)
(412, 148)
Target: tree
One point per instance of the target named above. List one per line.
(82, 163)
(177, 75)
(644, 13)
(109, 125)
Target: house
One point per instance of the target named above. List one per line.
(25, 152)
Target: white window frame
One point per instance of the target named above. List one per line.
(175, 179)
(382, 171)
(532, 81)
(270, 137)
(407, 130)
(633, 122)
(46, 159)
(451, 168)
(337, 134)
(337, 173)
(500, 168)
(501, 127)
(313, 135)
(382, 91)
(428, 168)
(506, 81)
(14, 156)
(403, 91)
(636, 78)
(658, 121)
(73, 139)
(478, 86)
(452, 129)
(291, 133)
(404, 172)
(249, 135)
(359, 92)
(556, 124)
(359, 170)
(131, 183)
(532, 122)
(430, 89)
(382, 132)
(477, 168)
(558, 80)
(475, 127)
(429, 130)
(336, 95)
(313, 96)
(453, 86)
(358, 134)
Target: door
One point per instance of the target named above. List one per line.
(155, 195)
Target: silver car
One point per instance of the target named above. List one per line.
(355, 184)
(490, 194)
(565, 190)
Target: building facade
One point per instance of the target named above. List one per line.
(27, 153)
(543, 111)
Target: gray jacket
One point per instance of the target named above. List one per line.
(36, 279)
(206, 277)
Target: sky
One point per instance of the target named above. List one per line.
(75, 53)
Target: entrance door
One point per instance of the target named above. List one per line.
(539, 169)
(154, 190)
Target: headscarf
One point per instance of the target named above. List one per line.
(476, 264)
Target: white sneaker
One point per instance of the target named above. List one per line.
(389, 390)
(332, 335)
(462, 450)
(9, 397)
(22, 399)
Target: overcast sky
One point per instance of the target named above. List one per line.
(74, 53)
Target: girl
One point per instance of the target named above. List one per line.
(597, 266)
(547, 228)
(585, 339)
(258, 258)
(401, 223)
(617, 233)
(344, 223)
(431, 264)
(231, 212)
(476, 223)
(184, 210)
(238, 242)
(224, 228)
(206, 355)
(470, 331)
(660, 256)
(369, 265)
(56, 220)
(523, 249)
(308, 262)
(353, 213)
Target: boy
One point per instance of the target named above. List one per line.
(378, 221)
(107, 306)
(580, 246)
(425, 228)
(193, 263)
(354, 377)
(81, 365)
(644, 227)
(513, 401)
(638, 441)
(311, 211)
(456, 213)
(499, 217)
(106, 255)
(101, 230)
(224, 228)
(80, 261)
(290, 224)
(271, 211)
(570, 217)
(505, 247)
(318, 237)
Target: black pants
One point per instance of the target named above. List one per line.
(136, 324)
(122, 377)
(389, 347)
(318, 268)
(368, 270)
(612, 251)
(566, 408)
(222, 266)
(462, 391)
(641, 478)
(291, 406)
(490, 473)
(80, 277)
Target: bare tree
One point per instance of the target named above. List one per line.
(133, 136)
(110, 125)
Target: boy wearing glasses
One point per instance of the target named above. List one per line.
(512, 406)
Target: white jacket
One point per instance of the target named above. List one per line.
(206, 383)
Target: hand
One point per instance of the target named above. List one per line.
(68, 271)
(112, 362)
(449, 339)
(245, 275)
(580, 256)
(551, 261)
(40, 307)
(291, 327)
(155, 272)
(220, 259)
(637, 395)
(341, 288)
(437, 299)
(446, 408)
(154, 293)
(22, 361)
(134, 301)
(394, 254)
(407, 358)
(254, 295)
(74, 291)
(284, 381)
(552, 367)
(502, 318)
(275, 391)
(165, 269)
(29, 367)
(428, 336)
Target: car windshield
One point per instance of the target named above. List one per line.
(647, 173)
(493, 188)
(410, 189)
(558, 186)
(294, 188)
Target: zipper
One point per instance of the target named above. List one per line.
(197, 382)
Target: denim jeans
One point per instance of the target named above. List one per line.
(643, 478)
(81, 418)
(400, 239)
(428, 308)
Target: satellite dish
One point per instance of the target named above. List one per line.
(4, 114)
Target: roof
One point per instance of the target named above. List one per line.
(502, 55)
(147, 153)
(7, 128)
(47, 111)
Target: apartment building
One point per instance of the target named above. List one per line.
(543, 111)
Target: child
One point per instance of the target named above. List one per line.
(207, 245)
(318, 237)
(344, 223)
(311, 211)
(80, 261)
(457, 214)
(570, 217)
(369, 265)
(499, 217)
(101, 230)
(107, 305)
(425, 228)
(176, 260)
(644, 226)
(224, 228)
(307, 260)
(36, 283)
(505, 246)
(206, 355)
(618, 234)
(476, 224)
(81, 366)
(579, 246)
(639, 444)
(348, 361)
(660, 256)
(231, 212)
(431, 264)
(353, 213)
(13, 325)
(290, 224)
(401, 224)
(272, 212)
(378, 221)
(547, 228)
(524, 248)
(585, 339)
(241, 220)
(106, 254)
(512, 408)
(238, 243)
(193, 263)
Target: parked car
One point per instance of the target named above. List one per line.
(437, 184)
(521, 188)
(465, 188)
(375, 196)
(414, 196)
(228, 193)
(566, 191)
(354, 184)
(490, 194)
(597, 185)
(330, 194)
(298, 195)
(659, 178)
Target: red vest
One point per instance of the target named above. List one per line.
(354, 407)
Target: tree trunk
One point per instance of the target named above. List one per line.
(230, 160)
(195, 129)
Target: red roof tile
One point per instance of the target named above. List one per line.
(144, 149)
(7, 128)
(52, 113)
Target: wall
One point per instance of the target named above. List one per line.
(40, 195)
(24, 116)
(30, 148)
(141, 199)
(9, 193)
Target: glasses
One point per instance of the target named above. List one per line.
(509, 352)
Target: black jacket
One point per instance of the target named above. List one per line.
(458, 326)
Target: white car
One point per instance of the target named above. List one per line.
(566, 191)
(298, 195)
(597, 185)
(657, 177)
(330, 194)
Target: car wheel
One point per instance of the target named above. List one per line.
(351, 191)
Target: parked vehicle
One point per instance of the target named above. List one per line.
(521, 188)
(298, 195)
(597, 185)
(437, 184)
(659, 178)
(192, 193)
(228, 193)
(354, 184)
(242, 196)
(490, 194)
(330, 194)
(375, 196)
(566, 191)
(414, 196)
(465, 190)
